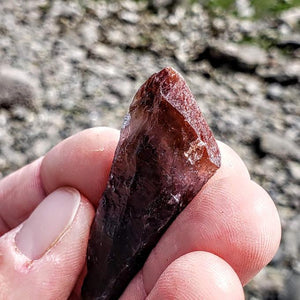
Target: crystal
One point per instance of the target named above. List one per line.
(165, 155)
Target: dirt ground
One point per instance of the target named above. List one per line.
(67, 65)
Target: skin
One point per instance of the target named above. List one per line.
(226, 235)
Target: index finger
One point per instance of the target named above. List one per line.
(82, 161)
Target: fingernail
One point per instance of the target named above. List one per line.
(48, 222)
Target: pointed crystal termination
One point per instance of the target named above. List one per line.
(165, 155)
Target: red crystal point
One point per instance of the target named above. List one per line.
(165, 155)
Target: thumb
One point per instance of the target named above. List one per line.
(42, 258)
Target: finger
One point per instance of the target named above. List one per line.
(82, 161)
(233, 218)
(43, 257)
(20, 192)
(197, 275)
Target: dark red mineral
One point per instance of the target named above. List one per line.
(165, 155)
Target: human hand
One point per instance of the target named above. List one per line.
(227, 233)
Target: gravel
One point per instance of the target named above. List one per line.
(279, 146)
(67, 66)
(16, 89)
(241, 57)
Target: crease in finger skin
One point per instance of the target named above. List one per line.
(20, 193)
(12, 256)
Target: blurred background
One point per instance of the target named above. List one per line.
(70, 65)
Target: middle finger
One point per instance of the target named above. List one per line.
(233, 218)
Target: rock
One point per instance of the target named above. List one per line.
(291, 246)
(268, 283)
(3, 118)
(168, 4)
(89, 33)
(165, 155)
(292, 191)
(16, 158)
(250, 84)
(133, 6)
(218, 25)
(244, 8)
(129, 17)
(275, 91)
(291, 240)
(101, 51)
(294, 169)
(290, 40)
(20, 113)
(284, 30)
(292, 69)
(76, 55)
(283, 71)
(278, 258)
(91, 86)
(68, 15)
(3, 165)
(122, 88)
(116, 37)
(244, 57)
(292, 287)
(291, 16)
(16, 89)
(279, 146)
(248, 27)
(41, 147)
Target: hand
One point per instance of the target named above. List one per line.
(227, 233)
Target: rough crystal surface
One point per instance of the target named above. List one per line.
(165, 155)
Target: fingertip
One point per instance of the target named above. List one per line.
(249, 222)
(54, 272)
(198, 275)
(231, 164)
(266, 228)
(233, 218)
(82, 161)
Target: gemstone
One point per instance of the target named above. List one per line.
(165, 155)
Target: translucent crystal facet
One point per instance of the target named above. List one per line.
(165, 155)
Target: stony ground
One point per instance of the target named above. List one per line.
(66, 66)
